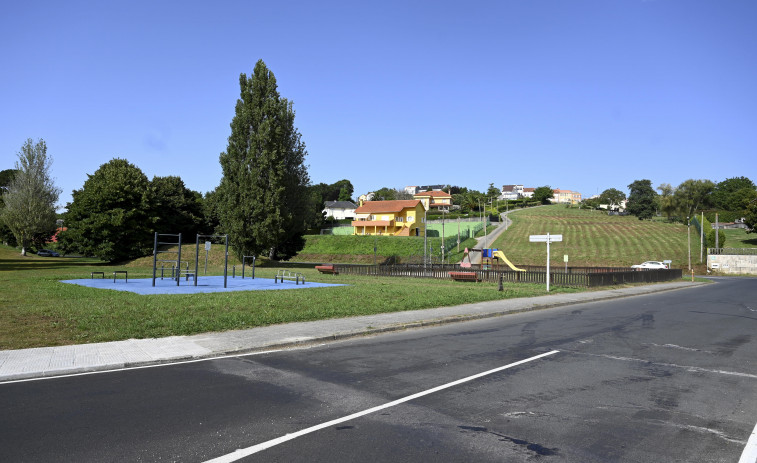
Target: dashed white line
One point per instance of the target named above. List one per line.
(242, 453)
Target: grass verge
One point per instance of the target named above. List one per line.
(36, 309)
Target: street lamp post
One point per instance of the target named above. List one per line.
(425, 238)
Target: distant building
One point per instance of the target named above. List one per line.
(565, 196)
(435, 199)
(528, 192)
(366, 197)
(511, 192)
(340, 210)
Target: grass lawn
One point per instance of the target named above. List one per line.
(37, 310)
(593, 238)
(739, 238)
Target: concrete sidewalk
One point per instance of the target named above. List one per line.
(65, 360)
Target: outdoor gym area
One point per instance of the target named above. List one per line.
(172, 275)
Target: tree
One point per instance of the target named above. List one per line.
(693, 195)
(667, 200)
(750, 218)
(6, 235)
(264, 196)
(110, 217)
(613, 197)
(543, 194)
(29, 201)
(642, 199)
(176, 208)
(733, 194)
(492, 191)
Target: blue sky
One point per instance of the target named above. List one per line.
(582, 95)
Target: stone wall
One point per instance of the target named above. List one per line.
(732, 264)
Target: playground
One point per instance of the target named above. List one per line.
(205, 284)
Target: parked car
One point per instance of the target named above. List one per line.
(47, 253)
(650, 264)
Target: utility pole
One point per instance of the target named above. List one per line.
(688, 230)
(701, 238)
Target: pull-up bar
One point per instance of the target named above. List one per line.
(225, 256)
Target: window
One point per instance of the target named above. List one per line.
(399, 219)
(409, 218)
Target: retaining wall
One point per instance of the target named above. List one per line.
(733, 264)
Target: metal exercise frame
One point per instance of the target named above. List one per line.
(225, 256)
(176, 262)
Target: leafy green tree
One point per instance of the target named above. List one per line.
(492, 191)
(264, 195)
(109, 217)
(385, 194)
(733, 194)
(543, 194)
(29, 200)
(176, 208)
(750, 218)
(667, 200)
(693, 195)
(642, 199)
(612, 196)
(6, 235)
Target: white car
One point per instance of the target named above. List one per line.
(650, 264)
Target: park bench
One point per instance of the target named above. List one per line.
(282, 274)
(92, 274)
(327, 269)
(121, 272)
(464, 276)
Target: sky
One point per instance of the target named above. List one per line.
(581, 95)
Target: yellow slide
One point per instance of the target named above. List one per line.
(501, 256)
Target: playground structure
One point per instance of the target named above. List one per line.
(176, 264)
(490, 257)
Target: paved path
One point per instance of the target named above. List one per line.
(63, 360)
(486, 240)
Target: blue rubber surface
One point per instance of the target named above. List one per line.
(205, 284)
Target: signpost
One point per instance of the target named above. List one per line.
(545, 239)
(207, 249)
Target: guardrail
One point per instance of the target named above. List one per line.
(732, 251)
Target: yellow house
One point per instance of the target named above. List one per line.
(437, 199)
(393, 218)
(566, 196)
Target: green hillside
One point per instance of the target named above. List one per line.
(593, 238)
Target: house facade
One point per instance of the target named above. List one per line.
(566, 197)
(340, 210)
(511, 192)
(390, 218)
(435, 199)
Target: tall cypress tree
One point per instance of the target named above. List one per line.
(263, 192)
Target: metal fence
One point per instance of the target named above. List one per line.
(732, 251)
(586, 277)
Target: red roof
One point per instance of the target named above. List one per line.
(372, 207)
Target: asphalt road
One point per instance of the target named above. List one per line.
(657, 378)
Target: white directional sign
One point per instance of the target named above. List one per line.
(544, 238)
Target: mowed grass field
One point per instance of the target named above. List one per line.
(36, 309)
(595, 239)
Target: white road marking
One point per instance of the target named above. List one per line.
(242, 453)
(749, 455)
(671, 365)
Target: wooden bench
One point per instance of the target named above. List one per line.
(464, 276)
(327, 269)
